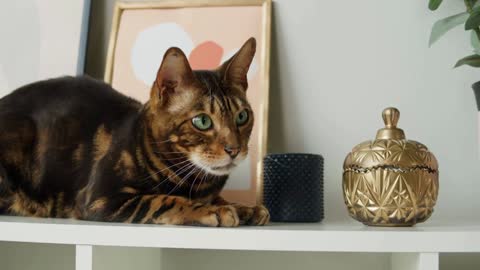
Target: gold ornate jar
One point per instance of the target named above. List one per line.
(390, 181)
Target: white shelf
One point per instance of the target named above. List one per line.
(340, 237)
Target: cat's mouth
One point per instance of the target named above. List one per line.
(224, 167)
(219, 170)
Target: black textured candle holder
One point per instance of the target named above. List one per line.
(293, 187)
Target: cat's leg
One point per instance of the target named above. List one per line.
(256, 215)
(5, 192)
(162, 209)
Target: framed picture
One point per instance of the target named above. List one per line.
(40, 40)
(209, 32)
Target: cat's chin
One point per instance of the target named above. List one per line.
(222, 168)
(217, 171)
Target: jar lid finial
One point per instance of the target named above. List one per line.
(390, 116)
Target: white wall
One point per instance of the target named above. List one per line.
(40, 39)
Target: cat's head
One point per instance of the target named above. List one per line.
(203, 115)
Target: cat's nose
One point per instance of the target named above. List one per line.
(232, 151)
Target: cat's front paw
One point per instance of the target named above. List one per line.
(257, 215)
(261, 216)
(213, 216)
(227, 216)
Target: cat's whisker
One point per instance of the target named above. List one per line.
(211, 154)
(201, 181)
(182, 180)
(169, 159)
(169, 167)
(193, 183)
(205, 154)
(160, 142)
(178, 171)
(188, 175)
(210, 157)
(163, 152)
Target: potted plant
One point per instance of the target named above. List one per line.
(470, 19)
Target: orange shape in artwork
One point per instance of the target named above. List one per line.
(206, 55)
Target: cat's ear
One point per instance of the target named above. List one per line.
(173, 75)
(235, 69)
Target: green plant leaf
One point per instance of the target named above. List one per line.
(475, 42)
(446, 24)
(474, 19)
(434, 4)
(471, 60)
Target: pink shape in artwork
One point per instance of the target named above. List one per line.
(206, 55)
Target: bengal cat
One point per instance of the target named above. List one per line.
(76, 148)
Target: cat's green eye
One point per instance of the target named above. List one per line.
(202, 122)
(242, 118)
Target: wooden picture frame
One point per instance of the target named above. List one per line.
(254, 193)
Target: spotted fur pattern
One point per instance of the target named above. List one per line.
(76, 148)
